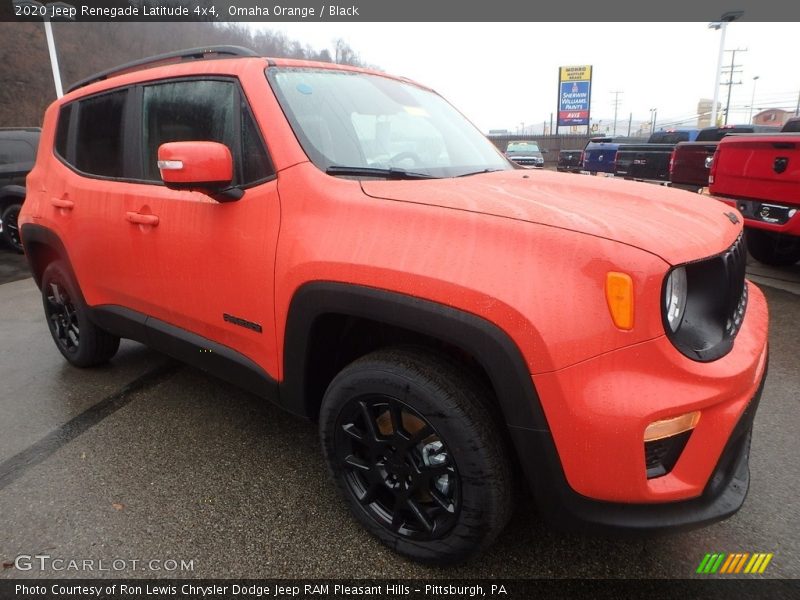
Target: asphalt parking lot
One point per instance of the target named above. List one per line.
(146, 459)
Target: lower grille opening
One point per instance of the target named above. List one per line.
(661, 455)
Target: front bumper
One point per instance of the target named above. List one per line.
(722, 497)
(593, 473)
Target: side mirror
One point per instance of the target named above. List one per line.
(201, 166)
(544, 151)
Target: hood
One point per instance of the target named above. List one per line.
(675, 225)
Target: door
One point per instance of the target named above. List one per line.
(87, 196)
(211, 264)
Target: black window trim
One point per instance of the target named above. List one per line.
(132, 120)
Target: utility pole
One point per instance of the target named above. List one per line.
(721, 25)
(630, 122)
(731, 71)
(797, 108)
(551, 123)
(616, 107)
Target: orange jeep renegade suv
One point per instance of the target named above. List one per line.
(348, 245)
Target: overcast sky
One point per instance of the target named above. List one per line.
(502, 74)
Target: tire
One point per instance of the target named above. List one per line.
(773, 248)
(436, 489)
(81, 342)
(10, 233)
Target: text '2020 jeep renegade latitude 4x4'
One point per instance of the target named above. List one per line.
(346, 244)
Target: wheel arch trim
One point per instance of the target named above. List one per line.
(34, 236)
(493, 348)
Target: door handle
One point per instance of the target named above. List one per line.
(62, 203)
(140, 219)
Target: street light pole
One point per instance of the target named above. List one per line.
(752, 100)
(61, 10)
(722, 25)
(51, 48)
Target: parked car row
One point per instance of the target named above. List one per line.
(17, 155)
(755, 168)
(691, 161)
(760, 175)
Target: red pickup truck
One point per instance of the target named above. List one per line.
(690, 161)
(760, 175)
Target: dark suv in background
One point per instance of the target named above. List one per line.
(17, 155)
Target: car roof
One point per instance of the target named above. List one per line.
(216, 58)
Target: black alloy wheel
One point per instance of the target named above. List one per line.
(62, 317)
(415, 443)
(10, 218)
(77, 337)
(398, 467)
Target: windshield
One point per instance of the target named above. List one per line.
(347, 119)
(520, 147)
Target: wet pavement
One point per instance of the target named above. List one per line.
(145, 459)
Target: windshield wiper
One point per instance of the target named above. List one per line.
(479, 172)
(376, 172)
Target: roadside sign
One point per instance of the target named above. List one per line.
(574, 95)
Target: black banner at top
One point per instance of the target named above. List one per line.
(397, 589)
(395, 10)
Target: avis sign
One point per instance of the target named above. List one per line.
(574, 95)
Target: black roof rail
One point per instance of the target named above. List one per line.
(202, 53)
(29, 129)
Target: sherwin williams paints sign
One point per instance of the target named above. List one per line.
(574, 95)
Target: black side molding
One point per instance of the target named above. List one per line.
(188, 347)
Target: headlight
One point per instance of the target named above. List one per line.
(675, 297)
(704, 303)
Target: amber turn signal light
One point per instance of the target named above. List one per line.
(619, 295)
(658, 430)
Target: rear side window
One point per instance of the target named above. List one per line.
(187, 111)
(62, 130)
(99, 147)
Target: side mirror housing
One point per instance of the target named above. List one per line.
(200, 166)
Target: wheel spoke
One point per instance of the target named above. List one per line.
(357, 463)
(369, 422)
(396, 415)
(443, 503)
(369, 495)
(419, 513)
(351, 430)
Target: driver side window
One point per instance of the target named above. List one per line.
(187, 111)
